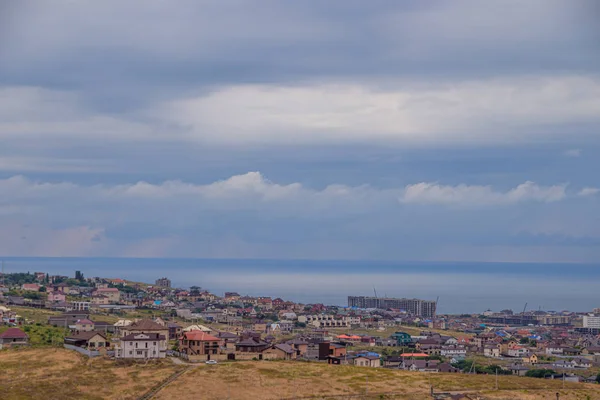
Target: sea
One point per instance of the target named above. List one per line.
(467, 287)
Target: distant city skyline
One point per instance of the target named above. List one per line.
(415, 130)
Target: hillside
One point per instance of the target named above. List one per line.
(292, 380)
(61, 374)
(58, 373)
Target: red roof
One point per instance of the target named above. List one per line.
(13, 333)
(200, 336)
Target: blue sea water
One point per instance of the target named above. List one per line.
(461, 287)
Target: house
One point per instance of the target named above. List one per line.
(113, 294)
(280, 351)
(517, 351)
(174, 330)
(84, 325)
(141, 346)
(453, 351)
(31, 287)
(61, 287)
(530, 359)
(552, 349)
(100, 299)
(147, 326)
(68, 318)
(327, 349)
(367, 361)
(420, 365)
(87, 340)
(490, 350)
(13, 337)
(103, 326)
(300, 346)
(198, 328)
(251, 345)
(518, 369)
(198, 343)
(56, 297)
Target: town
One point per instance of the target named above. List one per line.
(119, 319)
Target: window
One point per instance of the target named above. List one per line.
(154, 343)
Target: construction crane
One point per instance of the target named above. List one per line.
(375, 291)
(524, 308)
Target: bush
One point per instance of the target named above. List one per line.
(539, 373)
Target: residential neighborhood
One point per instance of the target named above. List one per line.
(110, 317)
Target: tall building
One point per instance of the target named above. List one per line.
(423, 308)
(591, 321)
(163, 282)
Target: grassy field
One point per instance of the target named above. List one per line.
(62, 374)
(281, 380)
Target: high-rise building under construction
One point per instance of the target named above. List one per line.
(423, 308)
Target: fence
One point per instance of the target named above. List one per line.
(85, 352)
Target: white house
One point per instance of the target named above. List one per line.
(453, 351)
(554, 349)
(491, 351)
(517, 351)
(141, 346)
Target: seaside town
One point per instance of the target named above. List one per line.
(118, 319)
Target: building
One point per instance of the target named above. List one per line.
(32, 287)
(93, 341)
(13, 337)
(367, 361)
(591, 321)
(163, 282)
(423, 308)
(113, 295)
(198, 343)
(324, 321)
(68, 318)
(80, 305)
(141, 346)
(146, 326)
(56, 297)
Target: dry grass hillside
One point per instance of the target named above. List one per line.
(61, 374)
(293, 380)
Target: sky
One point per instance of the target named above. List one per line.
(384, 130)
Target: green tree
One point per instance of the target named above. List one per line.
(598, 378)
(539, 373)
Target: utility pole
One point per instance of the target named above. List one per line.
(496, 378)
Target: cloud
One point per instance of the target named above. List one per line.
(588, 191)
(573, 153)
(248, 215)
(484, 112)
(481, 195)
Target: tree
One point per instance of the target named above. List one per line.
(539, 373)
(43, 289)
(524, 340)
(598, 378)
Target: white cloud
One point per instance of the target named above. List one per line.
(588, 191)
(483, 111)
(495, 110)
(245, 215)
(573, 153)
(481, 195)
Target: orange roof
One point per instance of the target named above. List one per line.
(343, 337)
(200, 336)
(354, 337)
(414, 355)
